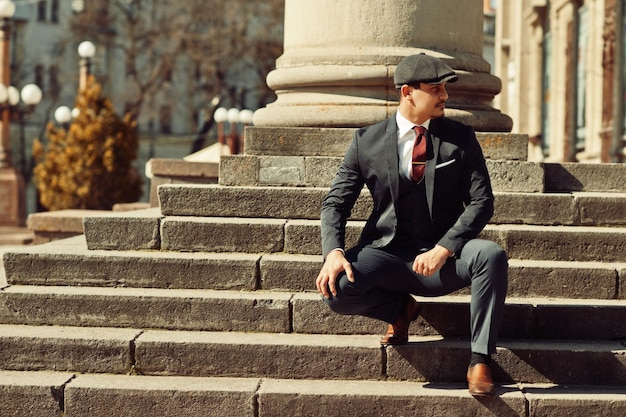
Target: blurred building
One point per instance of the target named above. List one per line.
(561, 63)
(562, 67)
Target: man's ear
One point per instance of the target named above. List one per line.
(405, 90)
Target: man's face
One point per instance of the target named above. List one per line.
(428, 101)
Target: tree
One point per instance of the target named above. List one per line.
(224, 48)
(89, 164)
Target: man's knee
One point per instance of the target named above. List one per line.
(492, 253)
(343, 301)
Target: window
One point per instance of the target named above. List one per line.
(41, 10)
(54, 11)
(166, 119)
(39, 76)
(55, 86)
(623, 73)
(545, 102)
(581, 77)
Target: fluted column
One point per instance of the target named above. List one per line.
(339, 57)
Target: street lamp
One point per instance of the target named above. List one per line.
(31, 96)
(220, 116)
(63, 115)
(86, 51)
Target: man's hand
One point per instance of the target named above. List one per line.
(334, 264)
(428, 263)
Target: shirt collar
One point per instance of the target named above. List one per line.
(404, 125)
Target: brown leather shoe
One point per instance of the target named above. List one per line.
(479, 381)
(398, 332)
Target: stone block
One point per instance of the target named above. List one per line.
(508, 146)
(429, 359)
(602, 209)
(301, 141)
(54, 264)
(75, 349)
(285, 170)
(303, 236)
(261, 202)
(550, 400)
(563, 243)
(573, 280)
(312, 315)
(61, 224)
(232, 354)
(134, 230)
(561, 362)
(320, 172)
(214, 234)
(33, 394)
(544, 209)
(147, 308)
(381, 398)
(575, 176)
(583, 321)
(239, 170)
(516, 176)
(289, 272)
(146, 396)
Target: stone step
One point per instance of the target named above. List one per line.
(230, 234)
(89, 395)
(66, 348)
(319, 171)
(288, 141)
(579, 208)
(511, 176)
(70, 263)
(560, 243)
(284, 312)
(300, 356)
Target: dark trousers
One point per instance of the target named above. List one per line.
(384, 277)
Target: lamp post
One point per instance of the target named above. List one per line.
(86, 51)
(233, 137)
(220, 116)
(31, 96)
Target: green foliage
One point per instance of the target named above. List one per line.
(90, 164)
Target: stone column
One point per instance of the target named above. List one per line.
(339, 57)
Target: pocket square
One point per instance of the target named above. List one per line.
(444, 164)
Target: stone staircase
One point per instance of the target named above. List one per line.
(205, 305)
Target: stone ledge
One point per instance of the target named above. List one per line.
(178, 171)
(25, 393)
(61, 224)
(302, 141)
(319, 171)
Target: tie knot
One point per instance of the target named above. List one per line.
(420, 130)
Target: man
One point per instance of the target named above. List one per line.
(420, 238)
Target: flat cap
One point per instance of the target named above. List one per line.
(422, 68)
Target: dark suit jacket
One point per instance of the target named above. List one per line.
(458, 189)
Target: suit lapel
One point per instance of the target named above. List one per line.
(431, 163)
(391, 157)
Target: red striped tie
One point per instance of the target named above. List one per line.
(419, 153)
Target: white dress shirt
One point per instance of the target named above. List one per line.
(406, 140)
